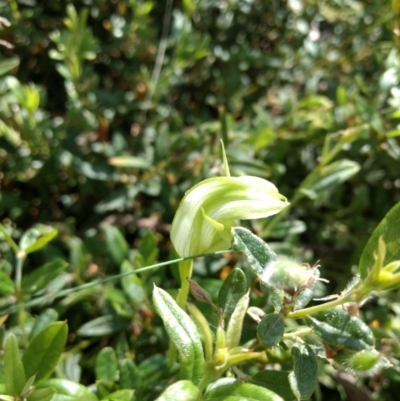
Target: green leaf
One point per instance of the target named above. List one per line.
(260, 257)
(232, 289)
(258, 253)
(183, 333)
(235, 325)
(116, 244)
(69, 388)
(129, 161)
(303, 379)
(183, 390)
(337, 327)
(270, 330)
(128, 374)
(44, 320)
(103, 326)
(148, 248)
(8, 65)
(105, 388)
(152, 369)
(106, 367)
(27, 387)
(44, 351)
(231, 390)
(388, 228)
(14, 373)
(44, 394)
(276, 381)
(284, 229)
(36, 238)
(9, 239)
(40, 277)
(132, 284)
(120, 395)
(328, 176)
(6, 283)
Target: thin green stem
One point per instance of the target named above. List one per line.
(237, 358)
(19, 294)
(18, 271)
(210, 375)
(298, 314)
(304, 331)
(185, 272)
(205, 329)
(95, 283)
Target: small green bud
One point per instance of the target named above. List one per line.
(288, 274)
(209, 210)
(359, 362)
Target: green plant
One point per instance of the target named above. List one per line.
(329, 331)
(111, 111)
(25, 376)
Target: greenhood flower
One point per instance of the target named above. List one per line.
(209, 210)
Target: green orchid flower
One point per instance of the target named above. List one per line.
(209, 210)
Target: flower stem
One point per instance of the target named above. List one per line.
(185, 271)
(20, 256)
(298, 314)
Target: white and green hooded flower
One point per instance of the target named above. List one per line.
(209, 210)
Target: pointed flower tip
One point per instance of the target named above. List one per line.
(209, 210)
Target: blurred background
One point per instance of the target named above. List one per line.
(111, 109)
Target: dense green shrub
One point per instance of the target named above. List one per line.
(96, 145)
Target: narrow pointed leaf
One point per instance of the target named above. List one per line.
(388, 228)
(260, 257)
(14, 373)
(328, 176)
(183, 333)
(6, 283)
(232, 289)
(44, 351)
(303, 379)
(8, 238)
(40, 277)
(235, 325)
(116, 244)
(132, 284)
(103, 326)
(37, 238)
(8, 64)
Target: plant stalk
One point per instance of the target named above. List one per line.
(185, 272)
(301, 313)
